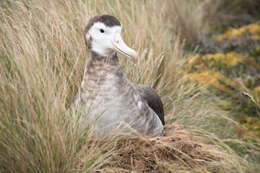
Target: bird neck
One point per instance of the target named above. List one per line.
(100, 65)
(101, 69)
(94, 59)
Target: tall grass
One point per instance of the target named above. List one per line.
(189, 18)
(42, 59)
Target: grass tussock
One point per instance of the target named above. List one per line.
(189, 18)
(42, 58)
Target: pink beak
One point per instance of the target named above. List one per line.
(120, 46)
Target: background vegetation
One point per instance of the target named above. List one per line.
(206, 74)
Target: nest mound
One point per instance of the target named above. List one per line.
(178, 149)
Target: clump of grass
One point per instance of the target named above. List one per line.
(191, 18)
(42, 54)
(42, 58)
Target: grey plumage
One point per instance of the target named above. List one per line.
(107, 99)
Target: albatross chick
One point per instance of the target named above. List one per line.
(107, 99)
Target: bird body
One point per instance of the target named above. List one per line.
(107, 99)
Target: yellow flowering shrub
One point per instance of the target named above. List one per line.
(211, 78)
(231, 58)
(233, 33)
(233, 74)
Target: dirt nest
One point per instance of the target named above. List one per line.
(178, 149)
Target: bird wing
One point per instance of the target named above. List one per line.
(153, 100)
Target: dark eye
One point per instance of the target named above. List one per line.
(102, 30)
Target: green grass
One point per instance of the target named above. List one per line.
(42, 59)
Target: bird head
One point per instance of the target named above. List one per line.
(103, 36)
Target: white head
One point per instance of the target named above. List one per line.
(103, 36)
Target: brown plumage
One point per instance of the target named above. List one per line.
(106, 96)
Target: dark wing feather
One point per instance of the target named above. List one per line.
(153, 100)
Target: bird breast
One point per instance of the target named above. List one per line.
(108, 99)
